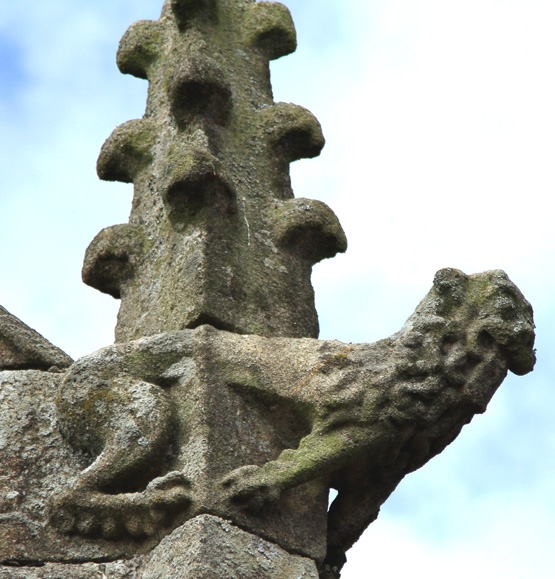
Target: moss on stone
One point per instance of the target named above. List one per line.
(139, 47)
(269, 27)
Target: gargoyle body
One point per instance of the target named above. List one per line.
(362, 416)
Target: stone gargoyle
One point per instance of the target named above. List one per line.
(361, 416)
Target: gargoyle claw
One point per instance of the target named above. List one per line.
(247, 487)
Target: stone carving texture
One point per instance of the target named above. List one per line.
(258, 417)
(214, 220)
(208, 437)
(209, 547)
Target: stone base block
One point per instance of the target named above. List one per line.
(115, 570)
(205, 547)
(208, 547)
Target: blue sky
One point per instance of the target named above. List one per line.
(440, 127)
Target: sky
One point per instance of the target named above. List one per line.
(439, 118)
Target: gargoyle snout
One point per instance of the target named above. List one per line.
(515, 340)
(522, 355)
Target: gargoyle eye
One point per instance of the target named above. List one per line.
(485, 338)
(449, 342)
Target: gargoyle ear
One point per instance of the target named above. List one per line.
(309, 228)
(449, 278)
(110, 258)
(450, 284)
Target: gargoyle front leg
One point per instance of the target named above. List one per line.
(319, 453)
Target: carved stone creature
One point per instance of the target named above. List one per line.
(364, 415)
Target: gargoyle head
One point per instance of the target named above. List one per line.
(495, 311)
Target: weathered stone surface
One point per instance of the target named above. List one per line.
(258, 429)
(207, 547)
(167, 426)
(36, 464)
(214, 234)
(115, 570)
(23, 348)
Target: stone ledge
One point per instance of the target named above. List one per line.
(205, 547)
(115, 570)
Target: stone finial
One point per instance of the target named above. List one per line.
(215, 235)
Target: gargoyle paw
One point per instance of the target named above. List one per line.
(88, 512)
(247, 487)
